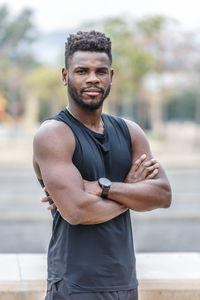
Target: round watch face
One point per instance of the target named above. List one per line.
(105, 182)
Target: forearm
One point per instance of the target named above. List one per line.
(99, 211)
(78, 206)
(142, 196)
(85, 208)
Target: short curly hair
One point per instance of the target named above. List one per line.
(87, 41)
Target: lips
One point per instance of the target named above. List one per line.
(92, 92)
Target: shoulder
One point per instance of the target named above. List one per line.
(140, 143)
(51, 130)
(53, 136)
(136, 132)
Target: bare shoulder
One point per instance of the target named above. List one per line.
(136, 132)
(53, 137)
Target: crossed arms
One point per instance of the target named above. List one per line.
(79, 201)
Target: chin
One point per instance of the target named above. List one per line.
(90, 105)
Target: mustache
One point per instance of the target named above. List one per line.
(83, 89)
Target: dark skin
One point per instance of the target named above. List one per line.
(140, 170)
(79, 201)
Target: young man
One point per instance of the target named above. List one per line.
(95, 167)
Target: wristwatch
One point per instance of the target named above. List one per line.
(105, 184)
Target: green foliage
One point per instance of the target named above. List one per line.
(16, 33)
(137, 51)
(43, 80)
(131, 61)
(183, 106)
(117, 28)
(45, 83)
(152, 24)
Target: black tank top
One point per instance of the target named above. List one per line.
(95, 258)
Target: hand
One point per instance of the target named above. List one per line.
(48, 199)
(142, 170)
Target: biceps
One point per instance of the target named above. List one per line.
(63, 181)
(140, 147)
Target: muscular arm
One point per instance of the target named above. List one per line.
(147, 194)
(53, 150)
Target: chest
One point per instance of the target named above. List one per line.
(108, 156)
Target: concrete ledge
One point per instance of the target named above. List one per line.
(23, 290)
(174, 276)
(177, 289)
(22, 276)
(162, 276)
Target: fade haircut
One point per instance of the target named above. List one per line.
(87, 41)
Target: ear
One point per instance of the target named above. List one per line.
(64, 76)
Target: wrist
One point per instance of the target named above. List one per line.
(92, 187)
(98, 190)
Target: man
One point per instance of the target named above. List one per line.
(95, 167)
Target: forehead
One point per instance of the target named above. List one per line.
(88, 59)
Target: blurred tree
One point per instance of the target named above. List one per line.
(151, 32)
(44, 93)
(16, 33)
(182, 106)
(141, 48)
(135, 47)
(130, 61)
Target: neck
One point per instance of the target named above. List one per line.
(91, 119)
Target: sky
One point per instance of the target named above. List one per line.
(52, 15)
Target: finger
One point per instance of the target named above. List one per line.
(149, 163)
(143, 169)
(52, 206)
(45, 189)
(149, 170)
(138, 162)
(153, 174)
(45, 199)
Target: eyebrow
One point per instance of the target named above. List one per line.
(85, 68)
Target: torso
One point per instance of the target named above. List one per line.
(95, 257)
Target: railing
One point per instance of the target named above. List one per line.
(162, 276)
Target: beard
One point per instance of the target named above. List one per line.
(76, 96)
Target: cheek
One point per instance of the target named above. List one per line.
(106, 80)
(77, 82)
(106, 84)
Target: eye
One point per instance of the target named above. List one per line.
(102, 72)
(81, 72)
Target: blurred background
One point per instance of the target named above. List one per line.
(156, 59)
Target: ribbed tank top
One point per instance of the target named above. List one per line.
(95, 258)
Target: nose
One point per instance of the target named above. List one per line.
(92, 78)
